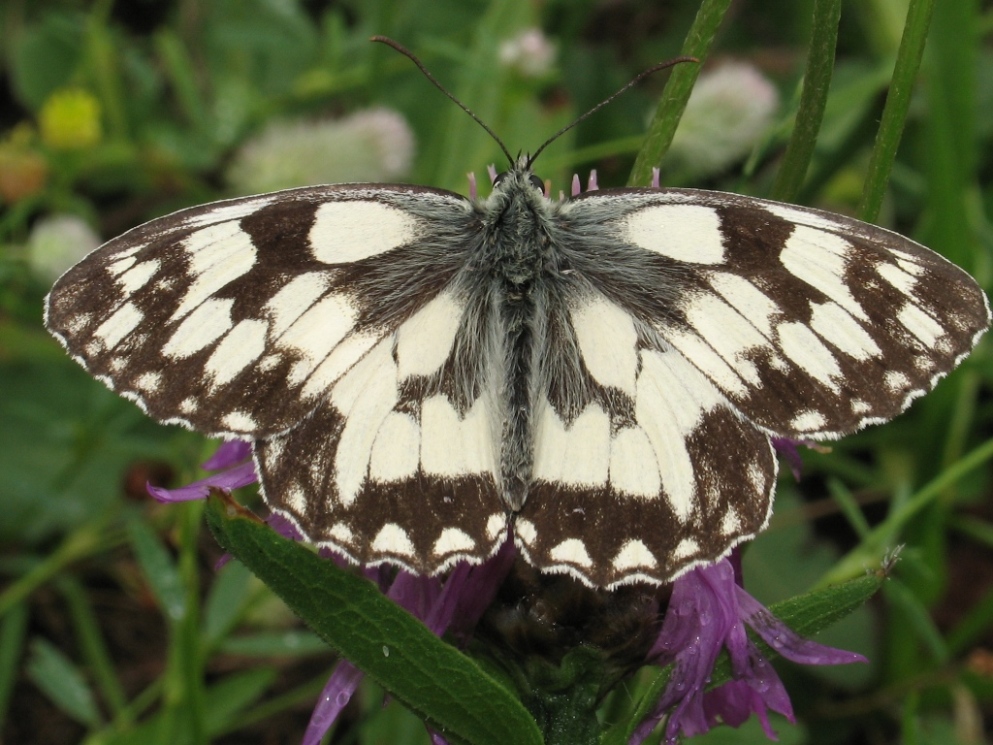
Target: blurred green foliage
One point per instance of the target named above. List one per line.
(114, 627)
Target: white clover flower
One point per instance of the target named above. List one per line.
(56, 242)
(530, 53)
(730, 110)
(371, 145)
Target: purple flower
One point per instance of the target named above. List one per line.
(708, 612)
(455, 604)
(234, 470)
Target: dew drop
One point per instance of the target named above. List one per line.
(386, 651)
(704, 618)
(342, 698)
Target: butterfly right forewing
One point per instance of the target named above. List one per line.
(811, 324)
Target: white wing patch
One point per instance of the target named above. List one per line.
(634, 469)
(818, 258)
(684, 232)
(241, 347)
(217, 255)
(201, 328)
(575, 455)
(235, 210)
(920, 324)
(365, 396)
(424, 341)
(294, 298)
(346, 232)
(124, 320)
(138, 276)
(672, 397)
(808, 352)
(837, 327)
(607, 339)
(457, 447)
(396, 449)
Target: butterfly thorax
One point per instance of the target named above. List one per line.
(516, 218)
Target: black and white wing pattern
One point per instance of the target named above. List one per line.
(423, 375)
(703, 324)
(317, 323)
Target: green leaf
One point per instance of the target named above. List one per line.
(274, 644)
(13, 629)
(45, 57)
(59, 679)
(226, 601)
(908, 62)
(377, 636)
(159, 569)
(64, 456)
(226, 704)
(228, 698)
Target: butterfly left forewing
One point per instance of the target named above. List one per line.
(235, 317)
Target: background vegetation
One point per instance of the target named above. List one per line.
(114, 625)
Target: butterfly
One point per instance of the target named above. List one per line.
(599, 378)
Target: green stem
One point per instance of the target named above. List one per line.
(698, 41)
(813, 99)
(877, 542)
(13, 630)
(85, 541)
(93, 648)
(908, 61)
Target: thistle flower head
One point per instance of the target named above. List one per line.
(730, 110)
(707, 613)
(371, 145)
(529, 53)
(56, 242)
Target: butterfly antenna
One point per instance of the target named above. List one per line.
(637, 79)
(427, 73)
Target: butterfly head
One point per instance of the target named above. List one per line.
(519, 179)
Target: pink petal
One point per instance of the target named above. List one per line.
(230, 453)
(335, 696)
(232, 478)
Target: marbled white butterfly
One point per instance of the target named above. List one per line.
(598, 377)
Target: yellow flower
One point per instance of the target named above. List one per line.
(70, 120)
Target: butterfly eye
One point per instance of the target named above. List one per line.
(537, 183)
(499, 178)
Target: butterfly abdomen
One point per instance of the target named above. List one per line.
(518, 245)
